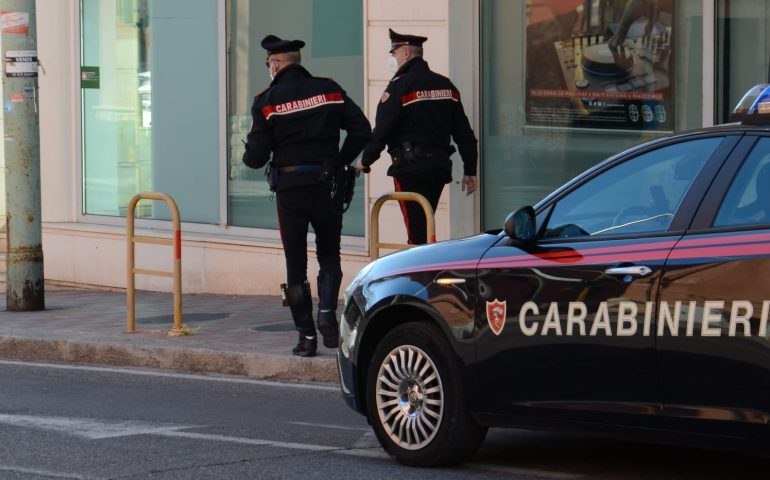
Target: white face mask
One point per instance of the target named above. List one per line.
(392, 64)
(272, 69)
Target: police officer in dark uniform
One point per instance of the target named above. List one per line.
(416, 116)
(298, 119)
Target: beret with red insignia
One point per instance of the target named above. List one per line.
(273, 44)
(398, 39)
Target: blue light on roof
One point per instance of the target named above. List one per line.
(748, 111)
(763, 97)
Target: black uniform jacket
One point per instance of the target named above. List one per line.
(423, 107)
(299, 118)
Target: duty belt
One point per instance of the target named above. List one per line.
(300, 169)
(408, 153)
(432, 152)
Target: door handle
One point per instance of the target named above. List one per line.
(640, 271)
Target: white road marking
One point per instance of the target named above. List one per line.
(251, 441)
(97, 429)
(326, 425)
(86, 427)
(41, 473)
(184, 376)
(367, 440)
(357, 452)
(93, 429)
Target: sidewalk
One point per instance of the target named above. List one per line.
(238, 335)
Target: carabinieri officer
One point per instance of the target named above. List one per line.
(298, 119)
(416, 116)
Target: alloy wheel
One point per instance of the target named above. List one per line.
(410, 397)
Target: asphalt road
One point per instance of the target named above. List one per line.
(69, 422)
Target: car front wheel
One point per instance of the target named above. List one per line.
(415, 398)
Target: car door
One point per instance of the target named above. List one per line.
(549, 339)
(715, 354)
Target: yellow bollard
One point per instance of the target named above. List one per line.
(176, 242)
(374, 233)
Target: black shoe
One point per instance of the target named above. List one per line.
(327, 325)
(306, 347)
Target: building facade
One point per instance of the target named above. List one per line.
(155, 95)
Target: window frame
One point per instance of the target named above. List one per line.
(215, 231)
(748, 175)
(687, 208)
(153, 224)
(706, 215)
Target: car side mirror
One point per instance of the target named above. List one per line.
(520, 225)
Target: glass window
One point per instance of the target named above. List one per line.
(150, 77)
(748, 200)
(640, 195)
(331, 51)
(555, 100)
(742, 49)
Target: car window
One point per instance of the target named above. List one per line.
(748, 200)
(640, 195)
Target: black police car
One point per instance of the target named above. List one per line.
(632, 301)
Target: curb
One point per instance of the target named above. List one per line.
(252, 365)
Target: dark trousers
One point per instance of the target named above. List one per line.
(298, 208)
(414, 216)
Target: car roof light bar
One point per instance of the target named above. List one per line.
(754, 107)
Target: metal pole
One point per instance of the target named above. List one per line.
(24, 258)
(374, 225)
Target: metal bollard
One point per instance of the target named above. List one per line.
(176, 242)
(374, 234)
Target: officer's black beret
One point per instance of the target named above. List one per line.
(397, 39)
(273, 44)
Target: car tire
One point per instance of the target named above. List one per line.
(415, 398)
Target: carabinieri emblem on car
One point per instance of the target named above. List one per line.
(496, 315)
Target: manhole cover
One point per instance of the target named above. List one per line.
(274, 327)
(188, 317)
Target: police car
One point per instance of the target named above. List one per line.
(632, 301)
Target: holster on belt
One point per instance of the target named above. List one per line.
(403, 154)
(329, 168)
(343, 184)
(271, 175)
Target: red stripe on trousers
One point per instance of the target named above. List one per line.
(402, 203)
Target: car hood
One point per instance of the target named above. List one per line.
(462, 254)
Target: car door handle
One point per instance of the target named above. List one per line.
(640, 271)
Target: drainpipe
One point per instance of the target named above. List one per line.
(24, 257)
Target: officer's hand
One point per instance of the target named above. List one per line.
(469, 185)
(361, 167)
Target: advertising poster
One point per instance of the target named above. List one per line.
(600, 64)
(21, 63)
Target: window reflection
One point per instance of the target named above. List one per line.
(640, 195)
(151, 122)
(748, 200)
(116, 114)
(331, 51)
